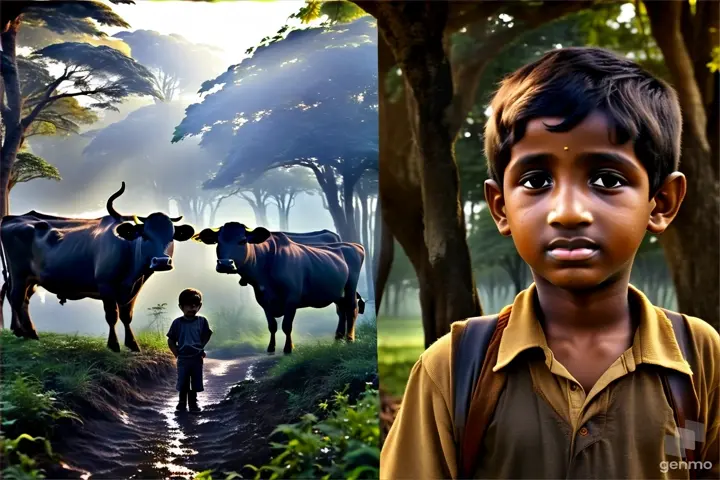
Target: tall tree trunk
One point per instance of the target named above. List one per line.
(429, 82)
(397, 297)
(260, 212)
(368, 251)
(328, 183)
(11, 112)
(372, 220)
(690, 243)
(384, 252)
(349, 182)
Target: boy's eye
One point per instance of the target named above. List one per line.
(536, 181)
(608, 180)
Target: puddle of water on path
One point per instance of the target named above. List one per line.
(249, 375)
(175, 448)
(221, 368)
(124, 418)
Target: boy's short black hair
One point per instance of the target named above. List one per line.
(190, 296)
(572, 82)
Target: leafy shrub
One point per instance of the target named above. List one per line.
(344, 445)
(18, 465)
(314, 372)
(40, 386)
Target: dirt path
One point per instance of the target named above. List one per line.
(153, 441)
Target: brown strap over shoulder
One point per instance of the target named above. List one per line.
(680, 386)
(484, 398)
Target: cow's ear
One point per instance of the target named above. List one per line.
(258, 235)
(129, 231)
(208, 236)
(183, 233)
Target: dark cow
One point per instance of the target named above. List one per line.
(286, 275)
(107, 258)
(319, 237)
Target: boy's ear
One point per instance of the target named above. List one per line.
(667, 202)
(496, 205)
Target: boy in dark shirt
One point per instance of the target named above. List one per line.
(583, 149)
(187, 338)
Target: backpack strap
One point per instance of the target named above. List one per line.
(680, 386)
(477, 387)
(469, 357)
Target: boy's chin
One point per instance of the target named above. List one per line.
(577, 280)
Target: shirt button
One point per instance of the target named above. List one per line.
(583, 431)
(573, 387)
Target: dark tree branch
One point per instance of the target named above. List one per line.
(665, 21)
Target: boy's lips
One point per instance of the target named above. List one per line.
(572, 249)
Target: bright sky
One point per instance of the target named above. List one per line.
(233, 26)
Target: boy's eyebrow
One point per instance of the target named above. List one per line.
(538, 159)
(608, 157)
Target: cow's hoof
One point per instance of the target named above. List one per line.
(33, 335)
(287, 351)
(271, 349)
(18, 333)
(350, 340)
(133, 347)
(115, 347)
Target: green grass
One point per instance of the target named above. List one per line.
(400, 343)
(314, 372)
(60, 375)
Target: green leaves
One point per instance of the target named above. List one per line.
(344, 445)
(73, 17)
(30, 167)
(120, 75)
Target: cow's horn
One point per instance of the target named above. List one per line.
(111, 210)
(139, 220)
(176, 219)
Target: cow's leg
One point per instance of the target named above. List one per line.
(24, 315)
(350, 313)
(340, 331)
(15, 325)
(287, 329)
(17, 298)
(272, 327)
(126, 314)
(111, 316)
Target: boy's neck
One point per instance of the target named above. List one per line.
(603, 310)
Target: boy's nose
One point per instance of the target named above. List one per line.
(569, 209)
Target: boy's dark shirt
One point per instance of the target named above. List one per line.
(545, 425)
(190, 335)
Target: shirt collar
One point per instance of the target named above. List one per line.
(653, 343)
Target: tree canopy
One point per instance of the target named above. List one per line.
(138, 148)
(178, 64)
(310, 97)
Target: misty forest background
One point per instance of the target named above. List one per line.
(287, 141)
(498, 271)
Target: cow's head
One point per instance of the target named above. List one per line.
(232, 241)
(157, 232)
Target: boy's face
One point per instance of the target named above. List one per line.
(190, 310)
(577, 205)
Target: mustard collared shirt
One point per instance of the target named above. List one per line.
(546, 426)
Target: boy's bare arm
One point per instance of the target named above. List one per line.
(206, 334)
(173, 347)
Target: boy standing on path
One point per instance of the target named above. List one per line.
(583, 149)
(187, 338)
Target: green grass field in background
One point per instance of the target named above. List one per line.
(400, 343)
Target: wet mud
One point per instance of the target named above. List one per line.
(149, 439)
